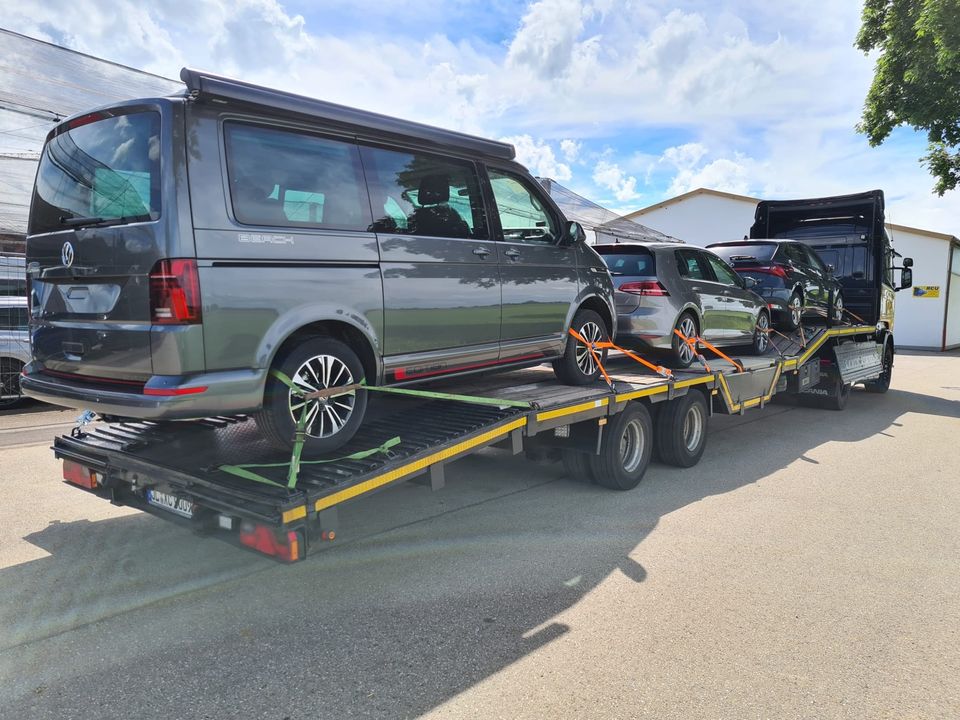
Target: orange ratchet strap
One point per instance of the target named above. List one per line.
(692, 343)
(607, 345)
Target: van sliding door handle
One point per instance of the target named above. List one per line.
(512, 253)
(481, 252)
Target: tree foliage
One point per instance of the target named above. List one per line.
(917, 78)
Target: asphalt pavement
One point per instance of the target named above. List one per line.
(808, 567)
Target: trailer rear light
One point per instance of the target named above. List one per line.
(283, 544)
(650, 288)
(175, 292)
(77, 474)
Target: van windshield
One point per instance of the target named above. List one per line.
(100, 169)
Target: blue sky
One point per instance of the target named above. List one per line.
(628, 102)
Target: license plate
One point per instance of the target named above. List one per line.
(177, 505)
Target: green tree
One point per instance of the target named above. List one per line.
(917, 78)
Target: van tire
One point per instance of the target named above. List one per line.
(276, 420)
(567, 366)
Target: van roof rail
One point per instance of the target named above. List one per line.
(203, 85)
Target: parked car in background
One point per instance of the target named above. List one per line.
(327, 244)
(666, 286)
(790, 276)
(13, 275)
(14, 347)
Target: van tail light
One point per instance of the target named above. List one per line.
(650, 288)
(175, 292)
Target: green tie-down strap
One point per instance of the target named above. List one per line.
(245, 472)
(428, 394)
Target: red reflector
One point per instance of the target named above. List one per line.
(646, 287)
(79, 475)
(175, 292)
(170, 392)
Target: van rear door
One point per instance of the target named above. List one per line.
(95, 235)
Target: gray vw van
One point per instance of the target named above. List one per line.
(180, 248)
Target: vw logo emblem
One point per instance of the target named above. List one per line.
(66, 254)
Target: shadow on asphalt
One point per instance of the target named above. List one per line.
(429, 594)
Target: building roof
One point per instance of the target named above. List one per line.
(754, 200)
(686, 195)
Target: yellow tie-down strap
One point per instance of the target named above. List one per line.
(417, 465)
(733, 406)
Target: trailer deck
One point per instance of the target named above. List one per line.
(175, 469)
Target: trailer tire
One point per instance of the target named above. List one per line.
(276, 421)
(625, 449)
(577, 466)
(882, 383)
(576, 366)
(839, 393)
(681, 430)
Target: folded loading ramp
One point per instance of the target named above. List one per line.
(184, 458)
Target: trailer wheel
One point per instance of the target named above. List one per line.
(681, 431)
(577, 466)
(836, 398)
(624, 449)
(882, 383)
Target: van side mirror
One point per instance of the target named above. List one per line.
(908, 262)
(749, 283)
(906, 278)
(574, 233)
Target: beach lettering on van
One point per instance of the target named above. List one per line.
(265, 239)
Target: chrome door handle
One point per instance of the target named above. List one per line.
(512, 253)
(481, 252)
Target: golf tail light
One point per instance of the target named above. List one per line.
(777, 270)
(175, 292)
(647, 288)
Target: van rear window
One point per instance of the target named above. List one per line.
(295, 179)
(101, 167)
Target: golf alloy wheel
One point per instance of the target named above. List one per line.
(688, 328)
(761, 340)
(796, 311)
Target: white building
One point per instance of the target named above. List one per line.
(928, 316)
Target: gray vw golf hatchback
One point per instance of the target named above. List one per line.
(180, 248)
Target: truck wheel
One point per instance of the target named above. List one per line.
(882, 383)
(317, 363)
(681, 430)
(577, 466)
(576, 366)
(834, 397)
(625, 449)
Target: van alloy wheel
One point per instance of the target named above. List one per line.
(324, 419)
(592, 333)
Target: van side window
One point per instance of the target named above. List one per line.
(294, 179)
(522, 216)
(418, 194)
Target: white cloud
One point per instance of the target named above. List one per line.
(608, 175)
(570, 149)
(539, 158)
(546, 40)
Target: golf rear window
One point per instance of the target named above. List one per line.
(640, 263)
(101, 166)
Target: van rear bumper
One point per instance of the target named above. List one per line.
(162, 397)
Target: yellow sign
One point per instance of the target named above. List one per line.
(926, 291)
